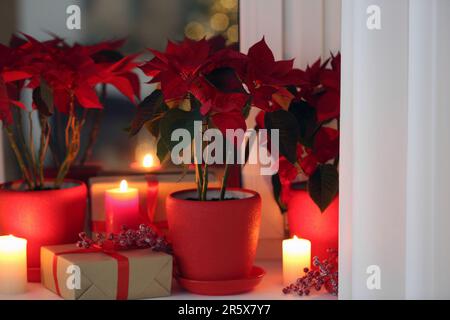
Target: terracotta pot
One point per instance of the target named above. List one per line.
(306, 221)
(47, 217)
(214, 240)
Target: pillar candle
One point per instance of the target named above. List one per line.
(296, 257)
(13, 265)
(122, 208)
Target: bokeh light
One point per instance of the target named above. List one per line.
(233, 33)
(229, 4)
(194, 30)
(219, 22)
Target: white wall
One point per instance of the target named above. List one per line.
(37, 18)
(312, 28)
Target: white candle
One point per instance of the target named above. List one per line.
(13, 265)
(296, 257)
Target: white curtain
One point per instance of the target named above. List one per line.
(395, 152)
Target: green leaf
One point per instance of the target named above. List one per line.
(323, 185)
(226, 80)
(146, 111)
(307, 121)
(277, 188)
(110, 55)
(247, 109)
(161, 151)
(287, 124)
(177, 119)
(43, 99)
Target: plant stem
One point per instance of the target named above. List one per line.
(198, 172)
(23, 168)
(34, 164)
(205, 170)
(199, 179)
(72, 143)
(21, 137)
(205, 182)
(223, 189)
(92, 137)
(45, 140)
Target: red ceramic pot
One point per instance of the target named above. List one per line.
(47, 217)
(214, 240)
(306, 221)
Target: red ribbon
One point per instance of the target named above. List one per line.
(123, 269)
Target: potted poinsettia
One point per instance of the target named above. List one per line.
(306, 185)
(113, 69)
(62, 79)
(214, 231)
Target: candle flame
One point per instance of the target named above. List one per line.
(123, 186)
(147, 162)
(295, 238)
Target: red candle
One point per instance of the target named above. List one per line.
(122, 208)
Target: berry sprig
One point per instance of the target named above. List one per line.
(143, 238)
(325, 275)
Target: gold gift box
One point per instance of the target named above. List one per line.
(149, 273)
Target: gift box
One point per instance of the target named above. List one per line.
(103, 275)
(152, 203)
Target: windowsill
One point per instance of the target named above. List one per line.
(269, 289)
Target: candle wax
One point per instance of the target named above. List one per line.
(13, 265)
(122, 209)
(296, 257)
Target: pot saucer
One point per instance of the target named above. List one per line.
(223, 287)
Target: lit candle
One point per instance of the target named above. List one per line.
(122, 208)
(148, 161)
(296, 257)
(13, 265)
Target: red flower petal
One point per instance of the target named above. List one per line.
(309, 164)
(261, 54)
(11, 76)
(326, 144)
(328, 106)
(87, 97)
(230, 120)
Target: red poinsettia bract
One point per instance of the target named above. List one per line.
(321, 88)
(264, 76)
(8, 76)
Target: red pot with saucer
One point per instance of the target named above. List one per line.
(214, 241)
